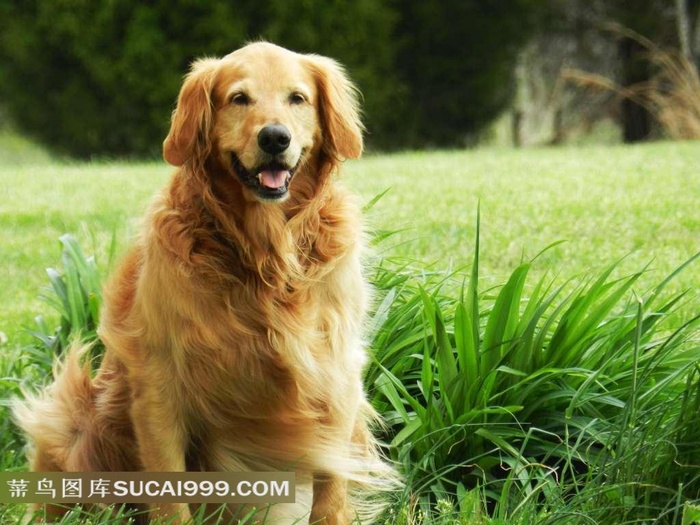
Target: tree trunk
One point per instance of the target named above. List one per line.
(683, 22)
(695, 47)
(636, 120)
(516, 128)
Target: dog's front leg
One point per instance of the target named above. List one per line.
(330, 502)
(162, 441)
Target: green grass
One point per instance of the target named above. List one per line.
(606, 203)
(41, 202)
(564, 389)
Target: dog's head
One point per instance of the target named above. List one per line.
(263, 113)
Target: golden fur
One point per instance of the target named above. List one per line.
(233, 327)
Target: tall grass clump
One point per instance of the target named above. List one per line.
(537, 403)
(75, 294)
(672, 95)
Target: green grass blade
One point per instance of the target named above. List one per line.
(467, 350)
(504, 316)
(472, 299)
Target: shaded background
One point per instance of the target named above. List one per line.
(100, 78)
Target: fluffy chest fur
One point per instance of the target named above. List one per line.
(271, 346)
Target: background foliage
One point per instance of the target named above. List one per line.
(100, 78)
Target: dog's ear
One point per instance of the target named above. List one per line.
(192, 119)
(338, 109)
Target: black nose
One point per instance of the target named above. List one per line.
(274, 139)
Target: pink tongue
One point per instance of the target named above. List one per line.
(273, 179)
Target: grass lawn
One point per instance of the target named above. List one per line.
(605, 202)
(639, 204)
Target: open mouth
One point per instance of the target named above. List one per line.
(269, 181)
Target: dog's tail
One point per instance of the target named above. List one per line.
(57, 421)
(77, 424)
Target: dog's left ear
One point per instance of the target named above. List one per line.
(338, 109)
(192, 119)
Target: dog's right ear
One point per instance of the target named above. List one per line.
(192, 119)
(338, 109)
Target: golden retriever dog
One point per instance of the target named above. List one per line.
(233, 327)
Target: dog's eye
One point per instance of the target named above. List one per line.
(240, 99)
(297, 98)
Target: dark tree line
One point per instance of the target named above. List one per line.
(101, 77)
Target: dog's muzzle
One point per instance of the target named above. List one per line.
(269, 180)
